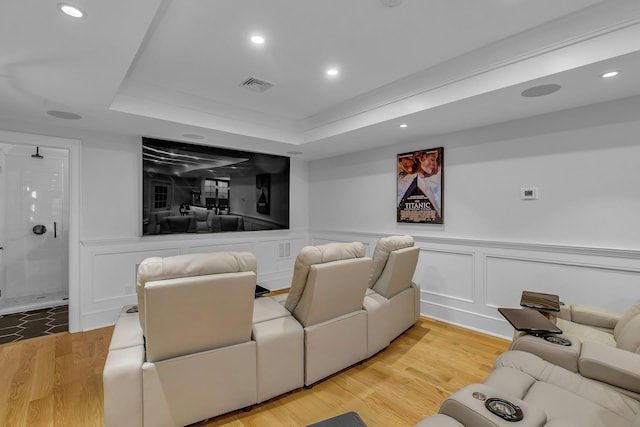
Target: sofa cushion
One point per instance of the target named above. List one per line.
(598, 399)
(617, 367)
(310, 255)
(157, 268)
(397, 275)
(628, 338)
(179, 266)
(188, 315)
(560, 404)
(585, 333)
(127, 332)
(201, 224)
(229, 223)
(226, 223)
(180, 224)
(162, 225)
(626, 317)
(381, 253)
(594, 316)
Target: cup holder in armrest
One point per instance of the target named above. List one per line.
(504, 409)
(500, 407)
(553, 339)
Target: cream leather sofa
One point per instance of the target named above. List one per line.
(606, 394)
(584, 325)
(392, 301)
(326, 297)
(194, 348)
(200, 345)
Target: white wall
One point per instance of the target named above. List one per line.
(586, 165)
(587, 178)
(111, 187)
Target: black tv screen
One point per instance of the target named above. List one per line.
(191, 188)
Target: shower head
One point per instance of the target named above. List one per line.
(37, 155)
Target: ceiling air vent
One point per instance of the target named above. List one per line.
(256, 85)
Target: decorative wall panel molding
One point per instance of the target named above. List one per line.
(447, 274)
(576, 281)
(464, 281)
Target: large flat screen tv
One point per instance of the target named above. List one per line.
(191, 188)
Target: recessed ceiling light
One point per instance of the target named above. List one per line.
(610, 74)
(257, 39)
(404, 125)
(541, 90)
(63, 115)
(332, 72)
(72, 11)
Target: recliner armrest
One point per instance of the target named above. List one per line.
(122, 386)
(560, 355)
(610, 365)
(471, 411)
(594, 316)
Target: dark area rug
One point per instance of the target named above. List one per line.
(31, 324)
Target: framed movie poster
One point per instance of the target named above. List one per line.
(420, 186)
(263, 188)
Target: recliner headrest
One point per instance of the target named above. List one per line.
(157, 268)
(189, 265)
(384, 247)
(310, 255)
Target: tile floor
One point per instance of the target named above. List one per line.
(31, 324)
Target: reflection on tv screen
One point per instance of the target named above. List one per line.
(190, 188)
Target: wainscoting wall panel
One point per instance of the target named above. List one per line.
(605, 285)
(447, 275)
(108, 267)
(227, 247)
(464, 281)
(110, 280)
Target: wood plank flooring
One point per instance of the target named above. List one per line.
(56, 380)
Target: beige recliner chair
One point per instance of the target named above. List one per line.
(585, 325)
(589, 323)
(188, 353)
(326, 296)
(392, 301)
(606, 394)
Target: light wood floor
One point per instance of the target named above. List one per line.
(56, 380)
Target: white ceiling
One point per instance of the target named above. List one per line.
(169, 68)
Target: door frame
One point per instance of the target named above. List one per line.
(75, 147)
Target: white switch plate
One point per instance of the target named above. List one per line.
(529, 193)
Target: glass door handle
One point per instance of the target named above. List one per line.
(55, 229)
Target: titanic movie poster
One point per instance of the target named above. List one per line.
(420, 186)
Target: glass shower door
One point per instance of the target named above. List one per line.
(35, 242)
